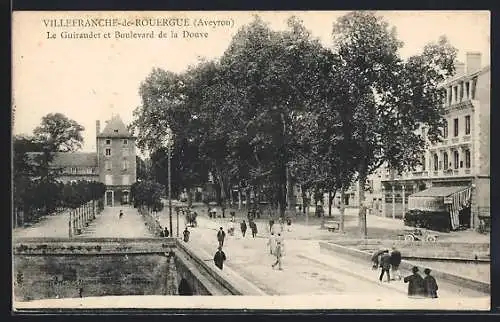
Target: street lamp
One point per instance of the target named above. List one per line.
(168, 143)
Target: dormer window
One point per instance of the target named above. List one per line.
(125, 142)
(108, 142)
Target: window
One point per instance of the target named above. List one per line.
(108, 152)
(108, 179)
(436, 162)
(445, 160)
(116, 131)
(467, 90)
(107, 164)
(455, 159)
(467, 159)
(108, 142)
(455, 127)
(125, 142)
(125, 165)
(473, 90)
(445, 129)
(467, 124)
(423, 163)
(125, 180)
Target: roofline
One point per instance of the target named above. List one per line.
(118, 136)
(470, 75)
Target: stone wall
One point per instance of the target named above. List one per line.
(438, 250)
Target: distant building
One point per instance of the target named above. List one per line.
(114, 162)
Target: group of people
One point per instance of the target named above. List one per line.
(418, 286)
(253, 228)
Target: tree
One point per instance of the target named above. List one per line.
(56, 133)
(387, 99)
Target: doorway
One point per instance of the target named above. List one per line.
(109, 198)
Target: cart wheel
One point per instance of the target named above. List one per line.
(409, 238)
(431, 238)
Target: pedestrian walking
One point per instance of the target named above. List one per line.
(289, 224)
(230, 229)
(430, 284)
(280, 238)
(376, 258)
(278, 254)
(233, 216)
(415, 283)
(271, 223)
(395, 262)
(186, 234)
(253, 227)
(166, 232)
(243, 227)
(271, 243)
(385, 266)
(120, 215)
(219, 258)
(220, 236)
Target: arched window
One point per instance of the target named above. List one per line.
(436, 162)
(445, 160)
(423, 163)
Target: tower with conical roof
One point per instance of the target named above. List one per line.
(116, 160)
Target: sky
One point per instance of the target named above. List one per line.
(91, 79)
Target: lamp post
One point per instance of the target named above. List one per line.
(168, 143)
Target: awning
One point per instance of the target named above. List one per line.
(439, 191)
(452, 199)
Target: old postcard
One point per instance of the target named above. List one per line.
(251, 160)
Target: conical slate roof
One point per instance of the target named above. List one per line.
(115, 128)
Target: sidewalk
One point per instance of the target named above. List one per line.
(50, 226)
(107, 224)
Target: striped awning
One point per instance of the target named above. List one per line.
(451, 199)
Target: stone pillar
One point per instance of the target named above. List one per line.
(393, 200)
(172, 282)
(70, 230)
(382, 204)
(404, 204)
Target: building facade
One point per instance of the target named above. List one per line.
(116, 162)
(461, 159)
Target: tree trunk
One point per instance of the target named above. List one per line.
(190, 197)
(289, 190)
(362, 209)
(342, 209)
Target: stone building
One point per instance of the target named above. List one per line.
(116, 162)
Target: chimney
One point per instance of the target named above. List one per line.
(459, 69)
(97, 127)
(473, 62)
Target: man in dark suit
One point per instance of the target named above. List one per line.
(219, 258)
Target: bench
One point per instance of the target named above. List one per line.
(332, 225)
